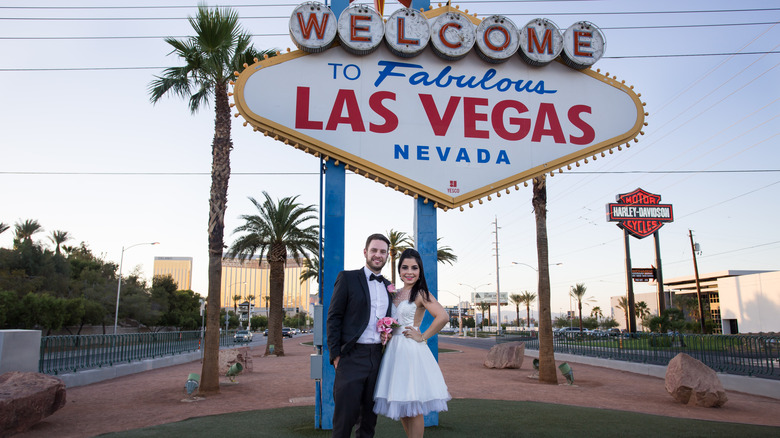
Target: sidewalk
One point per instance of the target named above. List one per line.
(155, 397)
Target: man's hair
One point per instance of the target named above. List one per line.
(377, 236)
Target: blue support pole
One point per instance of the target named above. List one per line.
(425, 235)
(332, 263)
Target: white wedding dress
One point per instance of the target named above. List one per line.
(410, 382)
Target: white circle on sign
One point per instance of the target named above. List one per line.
(452, 36)
(497, 39)
(313, 27)
(407, 32)
(540, 42)
(583, 45)
(360, 29)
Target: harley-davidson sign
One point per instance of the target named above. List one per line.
(410, 116)
(640, 213)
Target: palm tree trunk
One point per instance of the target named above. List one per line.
(517, 309)
(547, 373)
(528, 315)
(579, 307)
(277, 258)
(220, 174)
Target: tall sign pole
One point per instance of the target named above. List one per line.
(631, 311)
(640, 214)
(659, 276)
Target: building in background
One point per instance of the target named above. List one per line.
(249, 281)
(739, 301)
(180, 268)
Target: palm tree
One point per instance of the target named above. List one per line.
(444, 254)
(623, 304)
(516, 299)
(24, 231)
(59, 237)
(210, 58)
(399, 241)
(578, 293)
(527, 298)
(236, 299)
(642, 311)
(547, 371)
(3, 227)
(484, 307)
(596, 312)
(311, 270)
(278, 230)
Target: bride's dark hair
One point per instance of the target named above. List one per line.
(420, 286)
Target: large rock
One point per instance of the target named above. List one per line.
(228, 357)
(689, 381)
(507, 355)
(27, 398)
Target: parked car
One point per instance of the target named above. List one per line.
(242, 336)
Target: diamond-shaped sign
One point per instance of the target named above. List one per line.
(640, 213)
(449, 131)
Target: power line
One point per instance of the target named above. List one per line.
(62, 173)
(46, 69)
(263, 35)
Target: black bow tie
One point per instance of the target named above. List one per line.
(378, 278)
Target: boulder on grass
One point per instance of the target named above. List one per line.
(26, 398)
(689, 381)
(507, 355)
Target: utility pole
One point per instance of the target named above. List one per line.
(698, 285)
(498, 286)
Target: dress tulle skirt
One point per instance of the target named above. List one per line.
(410, 382)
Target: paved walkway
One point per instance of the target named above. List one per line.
(155, 397)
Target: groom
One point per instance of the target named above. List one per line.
(359, 299)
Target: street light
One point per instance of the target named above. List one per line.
(119, 282)
(460, 320)
(474, 288)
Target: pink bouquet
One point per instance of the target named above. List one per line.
(391, 288)
(386, 325)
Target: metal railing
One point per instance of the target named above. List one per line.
(746, 355)
(68, 354)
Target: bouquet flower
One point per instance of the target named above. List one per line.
(391, 289)
(386, 325)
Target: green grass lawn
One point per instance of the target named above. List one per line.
(466, 418)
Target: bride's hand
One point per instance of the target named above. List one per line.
(414, 333)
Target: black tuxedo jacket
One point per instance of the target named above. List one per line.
(349, 311)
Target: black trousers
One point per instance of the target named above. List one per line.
(353, 391)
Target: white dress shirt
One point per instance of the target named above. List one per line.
(378, 294)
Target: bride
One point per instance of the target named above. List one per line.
(410, 383)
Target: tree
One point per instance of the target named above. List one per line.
(219, 48)
(236, 299)
(24, 231)
(578, 293)
(278, 230)
(484, 306)
(3, 227)
(311, 269)
(58, 237)
(528, 298)
(516, 299)
(547, 370)
(596, 313)
(623, 304)
(444, 254)
(399, 241)
(642, 311)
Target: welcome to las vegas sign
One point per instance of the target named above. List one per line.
(451, 131)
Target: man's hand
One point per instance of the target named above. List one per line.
(336, 362)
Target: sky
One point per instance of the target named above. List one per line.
(83, 149)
